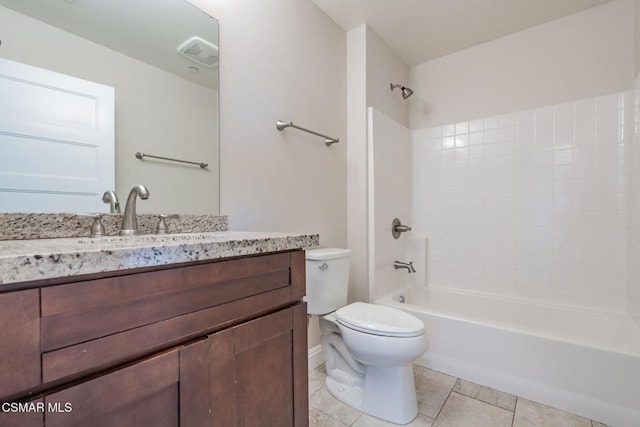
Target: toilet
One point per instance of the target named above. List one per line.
(368, 348)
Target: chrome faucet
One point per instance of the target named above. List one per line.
(129, 220)
(111, 198)
(408, 265)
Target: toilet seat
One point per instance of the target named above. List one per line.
(379, 320)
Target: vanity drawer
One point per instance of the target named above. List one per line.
(83, 311)
(93, 325)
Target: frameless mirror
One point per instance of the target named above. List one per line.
(160, 56)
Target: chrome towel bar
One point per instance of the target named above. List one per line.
(280, 125)
(140, 155)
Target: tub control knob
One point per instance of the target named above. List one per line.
(397, 228)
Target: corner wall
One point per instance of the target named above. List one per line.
(371, 67)
(389, 177)
(636, 29)
(586, 54)
(282, 60)
(633, 256)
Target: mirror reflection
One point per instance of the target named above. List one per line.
(160, 58)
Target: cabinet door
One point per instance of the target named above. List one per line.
(19, 342)
(25, 414)
(264, 362)
(143, 394)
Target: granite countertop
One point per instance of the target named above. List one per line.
(26, 260)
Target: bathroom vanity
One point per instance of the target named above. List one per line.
(162, 331)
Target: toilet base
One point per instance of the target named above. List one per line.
(389, 393)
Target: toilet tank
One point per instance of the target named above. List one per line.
(327, 279)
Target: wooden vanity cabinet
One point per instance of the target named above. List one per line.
(19, 341)
(221, 343)
(255, 368)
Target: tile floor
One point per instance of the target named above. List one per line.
(444, 401)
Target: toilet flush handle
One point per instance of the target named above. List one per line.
(324, 266)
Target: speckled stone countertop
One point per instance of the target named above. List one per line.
(19, 226)
(26, 260)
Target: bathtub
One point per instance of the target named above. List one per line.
(583, 362)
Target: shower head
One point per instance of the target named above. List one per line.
(406, 92)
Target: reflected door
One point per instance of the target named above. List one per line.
(56, 141)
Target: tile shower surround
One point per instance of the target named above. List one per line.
(532, 204)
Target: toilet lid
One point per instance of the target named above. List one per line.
(379, 320)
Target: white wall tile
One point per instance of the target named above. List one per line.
(608, 102)
(585, 137)
(585, 107)
(476, 125)
(562, 140)
(609, 118)
(448, 130)
(491, 123)
(534, 204)
(462, 127)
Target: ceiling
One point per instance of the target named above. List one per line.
(422, 30)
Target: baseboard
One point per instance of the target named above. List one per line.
(316, 358)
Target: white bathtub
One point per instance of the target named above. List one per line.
(583, 362)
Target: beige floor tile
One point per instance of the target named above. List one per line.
(319, 419)
(531, 414)
(432, 389)
(463, 411)
(486, 394)
(317, 378)
(323, 401)
(367, 420)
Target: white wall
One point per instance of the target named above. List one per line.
(636, 28)
(633, 269)
(385, 67)
(586, 54)
(186, 127)
(389, 150)
(282, 60)
(357, 229)
(371, 67)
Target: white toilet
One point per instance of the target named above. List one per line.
(368, 348)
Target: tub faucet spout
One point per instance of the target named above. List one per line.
(408, 265)
(129, 220)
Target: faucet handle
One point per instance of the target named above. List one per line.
(111, 198)
(162, 225)
(397, 228)
(97, 229)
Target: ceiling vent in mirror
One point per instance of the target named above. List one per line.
(200, 51)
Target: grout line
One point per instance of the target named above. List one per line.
(444, 403)
(489, 403)
(513, 418)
